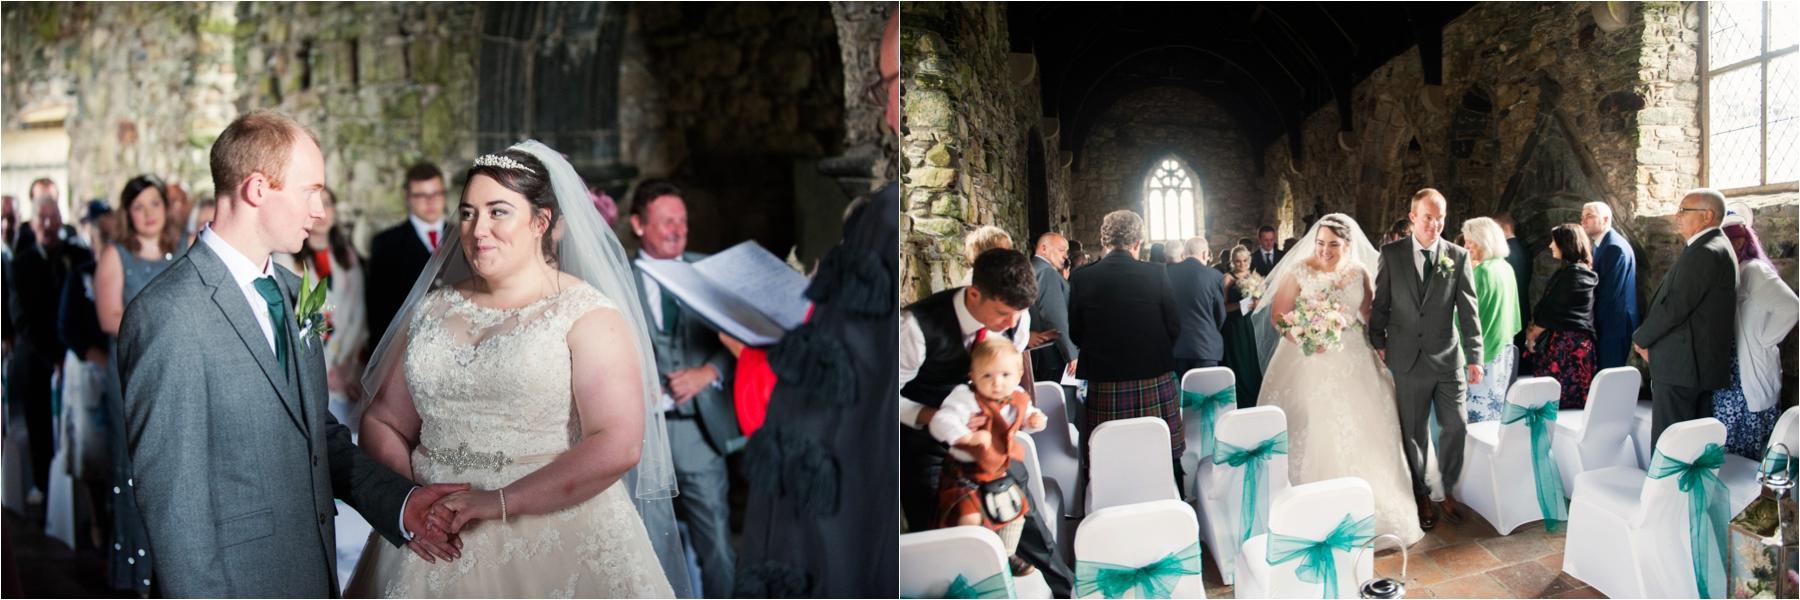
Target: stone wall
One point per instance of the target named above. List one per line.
(966, 133)
(726, 99)
(1147, 126)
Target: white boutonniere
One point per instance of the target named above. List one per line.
(1445, 265)
(310, 315)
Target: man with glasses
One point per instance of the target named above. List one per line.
(398, 255)
(1696, 300)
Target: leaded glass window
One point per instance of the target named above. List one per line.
(1752, 115)
(1171, 203)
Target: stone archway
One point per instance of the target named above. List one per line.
(550, 71)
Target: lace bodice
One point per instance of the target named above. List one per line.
(1344, 285)
(492, 387)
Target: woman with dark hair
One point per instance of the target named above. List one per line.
(146, 244)
(327, 256)
(1765, 315)
(1560, 341)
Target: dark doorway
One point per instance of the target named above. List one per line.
(1037, 205)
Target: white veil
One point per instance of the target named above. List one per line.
(1359, 249)
(587, 249)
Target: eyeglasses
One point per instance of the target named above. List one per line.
(1684, 209)
(876, 93)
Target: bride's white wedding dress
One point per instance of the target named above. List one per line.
(1342, 421)
(493, 393)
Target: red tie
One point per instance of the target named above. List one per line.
(980, 334)
(433, 235)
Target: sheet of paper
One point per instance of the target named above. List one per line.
(759, 278)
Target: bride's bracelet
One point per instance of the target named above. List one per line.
(502, 504)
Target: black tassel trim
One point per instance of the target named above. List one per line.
(813, 366)
(794, 468)
(854, 280)
(772, 580)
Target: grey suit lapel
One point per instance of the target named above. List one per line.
(230, 300)
(297, 349)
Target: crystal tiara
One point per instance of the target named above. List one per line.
(504, 162)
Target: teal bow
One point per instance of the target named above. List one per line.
(1252, 460)
(1208, 407)
(1317, 564)
(1543, 468)
(1708, 511)
(998, 585)
(1154, 580)
(1774, 460)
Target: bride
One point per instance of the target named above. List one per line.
(521, 366)
(1342, 421)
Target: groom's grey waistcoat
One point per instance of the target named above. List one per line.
(236, 463)
(1421, 322)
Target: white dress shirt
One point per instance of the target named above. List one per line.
(424, 229)
(245, 273)
(653, 291)
(912, 348)
(1437, 249)
(951, 422)
(1690, 240)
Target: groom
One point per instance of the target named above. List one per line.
(1424, 308)
(226, 402)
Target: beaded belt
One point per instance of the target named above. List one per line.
(462, 458)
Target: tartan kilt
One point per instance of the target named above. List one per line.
(1155, 397)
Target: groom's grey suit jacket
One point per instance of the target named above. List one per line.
(1420, 323)
(235, 463)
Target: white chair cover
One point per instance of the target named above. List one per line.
(1739, 473)
(1197, 459)
(1628, 534)
(1600, 435)
(1498, 477)
(1220, 496)
(1640, 434)
(1308, 511)
(59, 502)
(1035, 486)
(1058, 456)
(930, 560)
(1129, 463)
(1139, 534)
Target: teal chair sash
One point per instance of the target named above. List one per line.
(1154, 580)
(1708, 511)
(1252, 460)
(998, 585)
(1317, 565)
(1543, 467)
(1208, 406)
(1774, 460)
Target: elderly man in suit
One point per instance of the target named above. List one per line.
(1686, 336)
(703, 425)
(1200, 303)
(235, 458)
(1050, 311)
(1615, 298)
(1265, 255)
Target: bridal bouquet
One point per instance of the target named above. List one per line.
(1317, 323)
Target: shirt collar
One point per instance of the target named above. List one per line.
(423, 226)
(648, 258)
(242, 270)
(1690, 241)
(965, 322)
(1434, 243)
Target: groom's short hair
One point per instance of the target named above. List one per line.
(259, 141)
(1431, 193)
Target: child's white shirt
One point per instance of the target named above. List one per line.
(951, 422)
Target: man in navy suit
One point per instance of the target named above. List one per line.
(1615, 299)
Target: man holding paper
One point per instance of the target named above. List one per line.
(703, 425)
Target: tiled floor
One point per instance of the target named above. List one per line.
(1470, 560)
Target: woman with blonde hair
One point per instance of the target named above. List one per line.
(1497, 302)
(983, 239)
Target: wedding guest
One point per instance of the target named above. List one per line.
(81, 439)
(1615, 298)
(1122, 313)
(1077, 258)
(1765, 315)
(1398, 231)
(181, 209)
(1264, 257)
(1050, 311)
(9, 220)
(697, 404)
(1519, 258)
(398, 255)
(1158, 256)
(1682, 336)
(96, 226)
(146, 245)
(1288, 244)
(1560, 341)
(984, 455)
(1242, 289)
(1199, 292)
(204, 210)
(329, 256)
(935, 336)
(1497, 301)
(39, 271)
(1175, 251)
(983, 239)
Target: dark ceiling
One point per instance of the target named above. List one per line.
(1269, 63)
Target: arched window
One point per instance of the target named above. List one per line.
(1171, 202)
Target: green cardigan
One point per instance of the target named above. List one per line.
(1497, 300)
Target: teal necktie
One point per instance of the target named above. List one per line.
(1425, 273)
(271, 294)
(671, 312)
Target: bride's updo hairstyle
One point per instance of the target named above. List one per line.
(532, 181)
(1337, 226)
